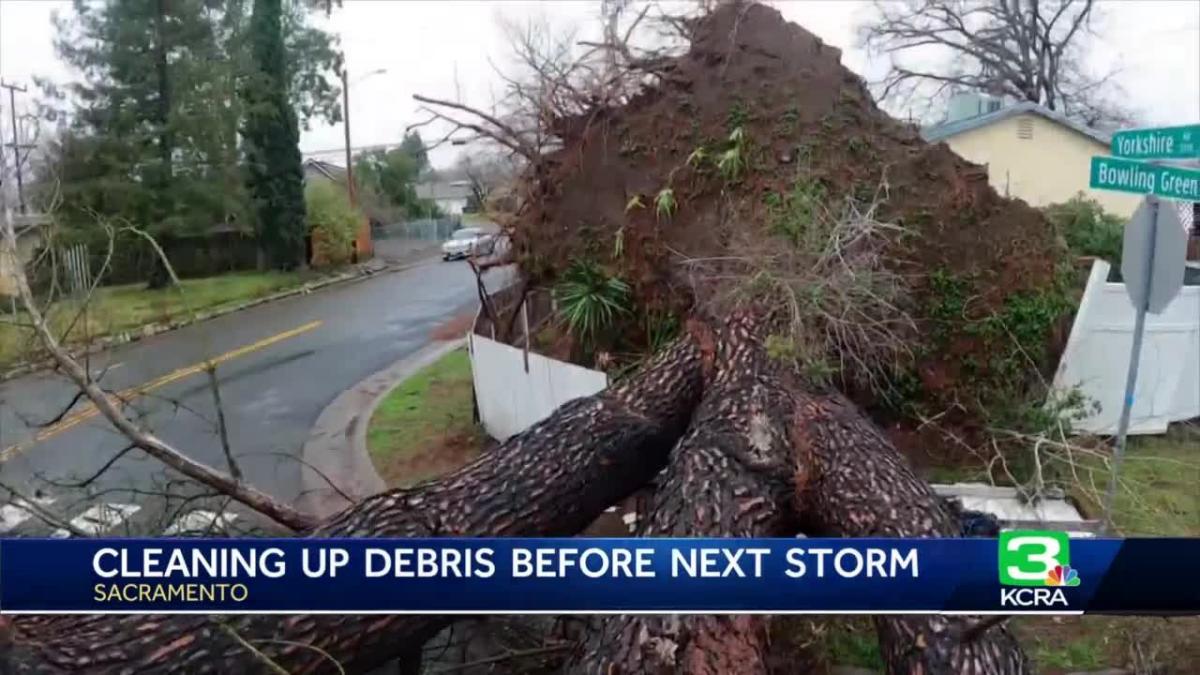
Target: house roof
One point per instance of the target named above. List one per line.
(331, 171)
(945, 130)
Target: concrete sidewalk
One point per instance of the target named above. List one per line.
(337, 470)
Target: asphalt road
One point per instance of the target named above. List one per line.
(280, 364)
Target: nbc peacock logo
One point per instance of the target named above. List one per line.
(1062, 575)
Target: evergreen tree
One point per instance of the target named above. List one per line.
(414, 147)
(392, 176)
(155, 117)
(143, 123)
(275, 178)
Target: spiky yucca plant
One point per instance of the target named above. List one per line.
(591, 300)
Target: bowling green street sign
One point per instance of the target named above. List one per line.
(1181, 142)
(1124, 175)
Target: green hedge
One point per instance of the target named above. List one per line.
(1088, 228)
(332, 221)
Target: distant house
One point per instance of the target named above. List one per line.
(450, 196)
(1031, 152)
(315, 169)
(31, 233)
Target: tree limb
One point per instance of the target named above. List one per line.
(138, 436)
(730, 476)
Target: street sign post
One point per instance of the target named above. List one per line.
(1125, 175)
(1152, 265)
(1182, 142)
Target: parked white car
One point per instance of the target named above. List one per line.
(466, 242)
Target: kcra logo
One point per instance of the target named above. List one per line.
(1039, 564)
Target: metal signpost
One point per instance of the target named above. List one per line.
(1155, 245)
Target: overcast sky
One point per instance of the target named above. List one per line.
(428, 47)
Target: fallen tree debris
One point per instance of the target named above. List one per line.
(851, 482)
(730, 476)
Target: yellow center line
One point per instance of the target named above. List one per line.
(89, 411)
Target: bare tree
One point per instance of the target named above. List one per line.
(1027, 50)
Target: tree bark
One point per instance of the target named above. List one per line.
(851, 482)
(552, 480)
(729, 476)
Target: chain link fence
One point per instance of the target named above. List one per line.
(422, 229)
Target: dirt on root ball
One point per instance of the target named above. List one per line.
(802, 117)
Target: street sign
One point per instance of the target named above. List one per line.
(1153, 224)
(1163, 143)
(1124, 175)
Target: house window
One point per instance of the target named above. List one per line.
(1025, 128)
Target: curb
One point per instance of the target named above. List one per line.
(336, 449)
(150, 330)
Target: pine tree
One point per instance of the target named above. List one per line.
(156, 113)
(144, 129)
(275, 178)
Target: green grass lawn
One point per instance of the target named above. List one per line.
(1160, 484)
(115, 309)
(426, 427)
(129, 306)
(1159, 491)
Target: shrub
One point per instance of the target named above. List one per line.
(333, 223)
(1087, 228)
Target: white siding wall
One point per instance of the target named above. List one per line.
(1097, 357)
(452, 206)
(511, 399)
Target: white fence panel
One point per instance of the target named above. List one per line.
(1096, 358)
(512, 399)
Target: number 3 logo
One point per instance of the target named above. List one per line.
(1027, 557)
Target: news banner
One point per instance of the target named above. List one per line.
(1020, 572)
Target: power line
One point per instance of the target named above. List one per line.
(357, 148)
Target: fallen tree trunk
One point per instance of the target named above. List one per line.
(730, 476)
(851, 482)
(552, 480)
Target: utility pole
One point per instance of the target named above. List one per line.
(346, 115)
(351, 190)
(16, 142)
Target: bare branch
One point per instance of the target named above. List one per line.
(142, 438)
(1027, 50)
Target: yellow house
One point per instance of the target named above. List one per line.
(1033, 153)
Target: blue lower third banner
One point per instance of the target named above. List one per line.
(1029, 571)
